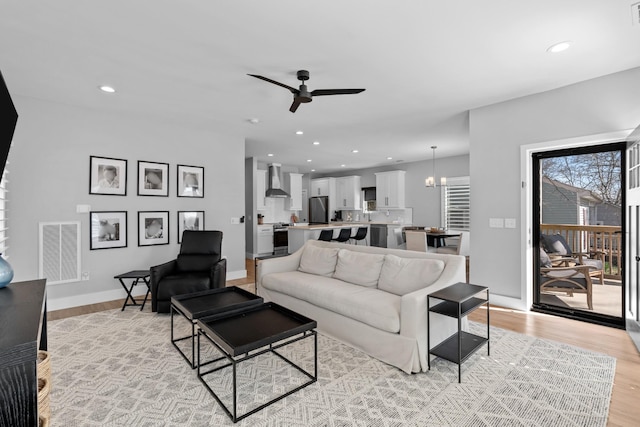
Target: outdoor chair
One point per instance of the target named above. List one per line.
(568, 280)
(561, 254)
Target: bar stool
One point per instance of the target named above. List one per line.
(361, 234)
(326, 235)
(344, 236)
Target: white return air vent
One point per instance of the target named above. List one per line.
(59, 252)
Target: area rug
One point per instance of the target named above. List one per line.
(118, 368)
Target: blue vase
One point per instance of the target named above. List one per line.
(6, 272)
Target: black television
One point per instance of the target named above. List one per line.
(8, 120)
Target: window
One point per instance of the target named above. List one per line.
(455, 204)
(3, 213)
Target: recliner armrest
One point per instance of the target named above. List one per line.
(157, 272)
(219, 274)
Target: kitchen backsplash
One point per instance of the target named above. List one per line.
(400, 216)
(275, 210)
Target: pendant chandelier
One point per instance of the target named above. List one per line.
(431, 180)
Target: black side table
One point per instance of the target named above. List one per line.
(135, 275)
(458, 301)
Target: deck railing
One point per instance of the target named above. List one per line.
(593, 239)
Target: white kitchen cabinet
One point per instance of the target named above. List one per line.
(261, 188)
(295, 191)
(319, 187)
(348, 193)
(390, 190)
(265, 239)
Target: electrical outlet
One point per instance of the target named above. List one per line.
(85, 275)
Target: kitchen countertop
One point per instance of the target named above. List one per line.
(342, 225)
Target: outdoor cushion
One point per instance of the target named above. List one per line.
(371, 306)
(401, 276)
(556, 244)
(545, 261)
(319, 261)
(359, 268)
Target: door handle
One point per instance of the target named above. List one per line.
(637, 258)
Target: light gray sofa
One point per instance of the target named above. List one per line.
(371, 298)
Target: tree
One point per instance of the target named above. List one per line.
(599, 173)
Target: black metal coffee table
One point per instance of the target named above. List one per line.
(264, 328)
(205, 303)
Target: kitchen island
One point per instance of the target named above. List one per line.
(299, 234)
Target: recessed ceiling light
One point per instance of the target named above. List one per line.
(389, 158)
(316, 142)
(299, 132)
(107, 89)
(313, 170)
(254, 121)
(342, 166)
(270, 155)
(308, 160)
(559, 47)
(354, 151)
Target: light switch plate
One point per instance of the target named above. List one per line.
(509, 223)
(496, 222)
(83, 208)
(235, 220)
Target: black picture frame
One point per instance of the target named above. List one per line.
(108, 230)
(190, 181)
(100, 183)
(153, 179)
(153, 228)
(184, 220)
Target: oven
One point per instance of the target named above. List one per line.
(280, 239)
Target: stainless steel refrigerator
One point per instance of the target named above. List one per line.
(319, 210)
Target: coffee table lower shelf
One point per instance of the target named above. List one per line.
(448, 349)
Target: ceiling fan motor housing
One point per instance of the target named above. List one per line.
(304, 96)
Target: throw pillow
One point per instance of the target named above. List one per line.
(318, 261)
(545, 261)
(556, 244)
(359, 268)
(401, 276)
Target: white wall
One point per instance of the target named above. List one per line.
(49, 167)
(607, 104)
(424, 201)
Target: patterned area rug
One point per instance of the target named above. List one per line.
(119, 369)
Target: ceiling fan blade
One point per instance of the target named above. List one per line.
(292, 90)
(295, 105)
(322, 92)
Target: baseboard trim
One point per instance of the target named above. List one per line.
(54, 304)
(508, 302)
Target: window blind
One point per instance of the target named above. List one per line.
(456, 200)
(4, 226)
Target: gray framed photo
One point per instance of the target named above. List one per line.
(190, 220)
(153, 179)
(153, 228)
(108, 229)
(190, 181)
(107, 176)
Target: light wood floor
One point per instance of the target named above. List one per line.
(625, 402)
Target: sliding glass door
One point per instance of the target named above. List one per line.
(579, 223)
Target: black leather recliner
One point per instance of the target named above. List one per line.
(199, 267)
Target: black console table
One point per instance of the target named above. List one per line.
(458, 301)
(23, 330)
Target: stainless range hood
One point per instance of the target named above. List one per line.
(274, 188)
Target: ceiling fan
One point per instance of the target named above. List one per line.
(302, 95)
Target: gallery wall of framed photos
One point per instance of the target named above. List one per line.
(109, 177)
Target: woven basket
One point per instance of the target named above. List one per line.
(44, 365)
(43, 399)
(43, 422)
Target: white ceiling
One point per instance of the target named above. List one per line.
(424, 64)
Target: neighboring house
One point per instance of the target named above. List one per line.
(565, 204)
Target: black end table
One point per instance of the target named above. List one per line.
(205, 303)
(457, 301)
(135, 275)
(263, 329)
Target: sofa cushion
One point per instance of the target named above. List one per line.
(371, 306)
(401, 276)
(358, 268)
(318, 261)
